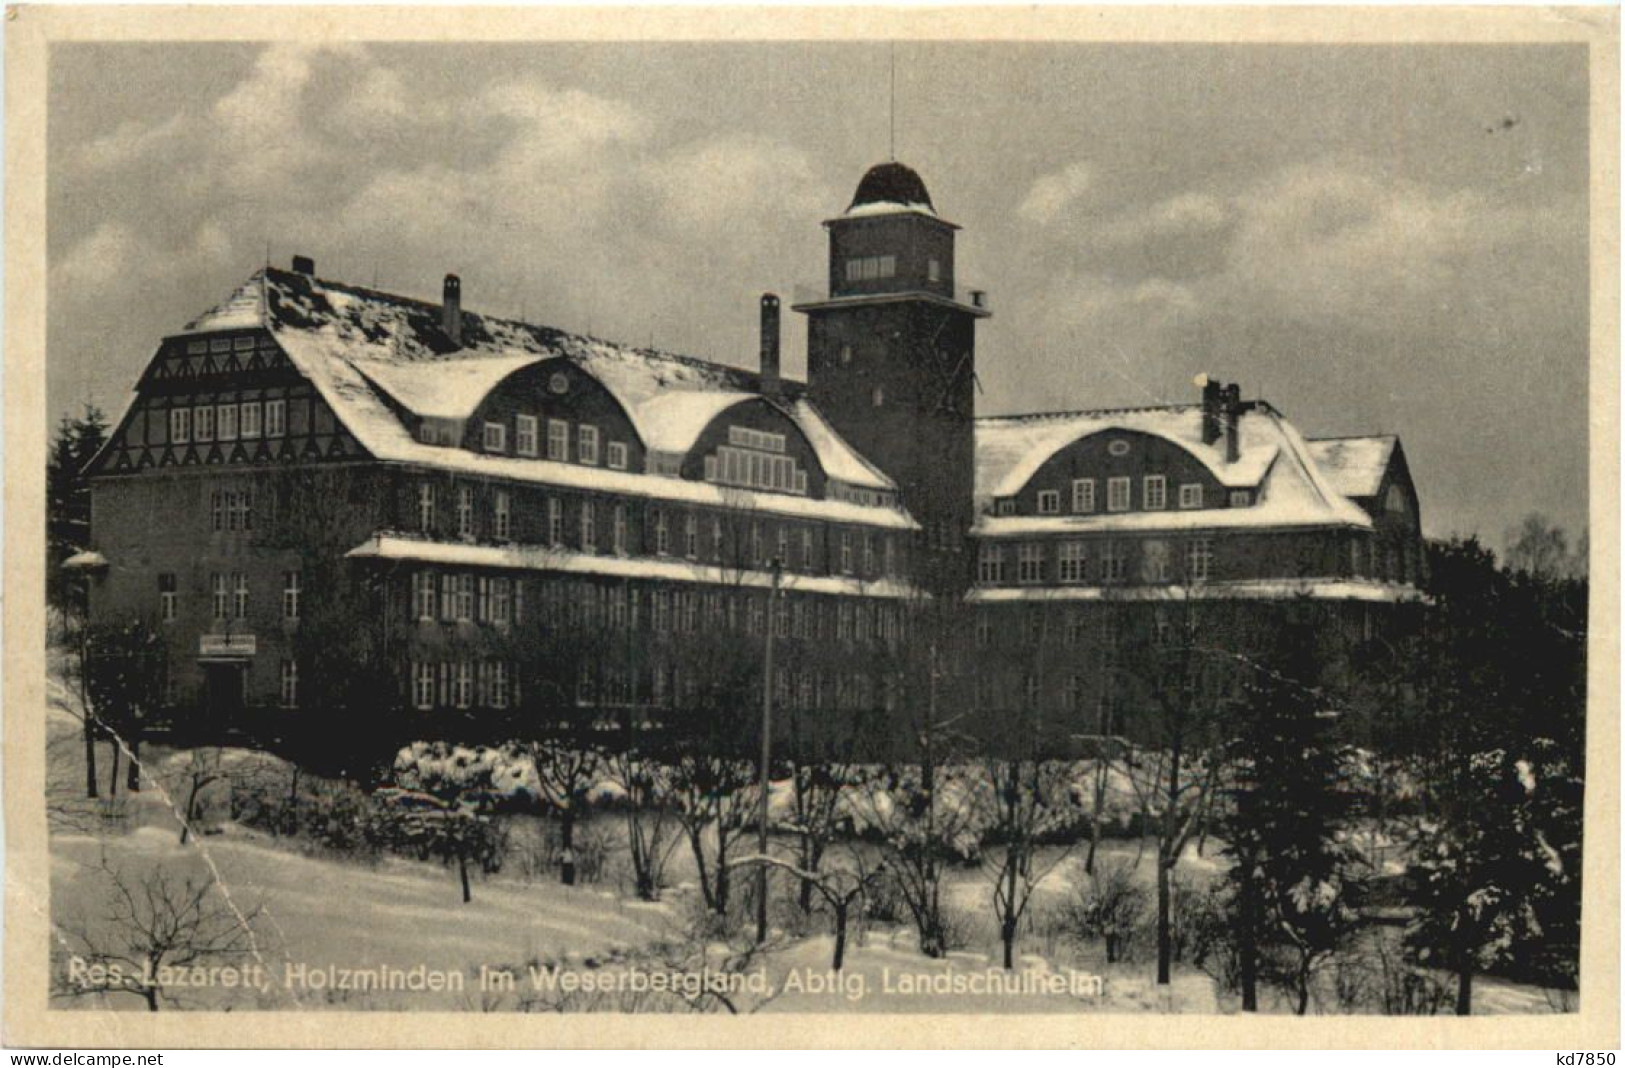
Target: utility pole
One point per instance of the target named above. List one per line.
(767, 754)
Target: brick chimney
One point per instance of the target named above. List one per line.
(451, 309)
(1210, 408)
(304, 265)
(1232, 423)
(771, 382)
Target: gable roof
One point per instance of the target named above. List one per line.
(1354, 466)
(360, 346)
(1274, 461)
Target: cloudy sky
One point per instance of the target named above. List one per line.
(1378, 239)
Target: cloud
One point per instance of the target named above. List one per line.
(1051, 195)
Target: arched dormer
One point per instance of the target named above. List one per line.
(755, 444)
(556, 410)
(1116, 470)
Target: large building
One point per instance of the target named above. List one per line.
(497, 517)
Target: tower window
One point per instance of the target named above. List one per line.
(879, 396)
(846, 355)
(933, 270)
(866, 268)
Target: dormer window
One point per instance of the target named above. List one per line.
(1240, 498)
(496, 437)
(1190, 495)
(1049, 502)
(1117, 494)
(755, 458)
(1156, 492)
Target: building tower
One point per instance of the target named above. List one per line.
(891, 357)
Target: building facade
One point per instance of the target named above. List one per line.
(483, 516)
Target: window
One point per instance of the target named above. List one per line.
(1190, 495)
(221, 602)
(555, 522)
(617, 455)
(846, 552)
(617, 530)
(716, 539)
(1030, 563)
(846, 355)
(180, 425)
(755, 458)
(587, 445)
(984, 629)
(558, 439)
(691, 536)
(1356, 558)
(806, 549)
(890, 556)
(781, 549)
(662, 534)
(501, 515)
(758, 552)
(423, 595)
(203, 422)
(1240, 498)
(866, 268)
(464, 684)
(289, 690)
(465, 598)
(589, 528)
(1083, 495)
(990, 564)
(276, 418)
(1076, 627)
(877, 397)
(1007, 506)
(1154, 561)
(1198, 559)
(1156, 492)
(1029, 690)
(167, 596)
(422, 686)
(1074, 563)
(868, 554)
(225, 419)
(239, 594)
(448, 598)
(933, 270)
(248, 419)
(1162, 630)
(496, 437)
(1049, 502)
(499, 684)
(1112, 566)
(524, 435)
(425, 507)
(217, 509)
(501, 601)
(1117, 494)
(291, 586)
(465, 512)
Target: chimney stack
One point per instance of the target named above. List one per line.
(1232, 423)
(451, 309)
(304, 265)
(1210, 408)
(771, 383)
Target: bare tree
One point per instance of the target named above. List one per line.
(156, 922)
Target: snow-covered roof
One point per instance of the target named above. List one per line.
(444, 389)
(888, 207)
(543, 558)
(1274, 460)
(1367, 590)
(1354, 466)
(359, 346)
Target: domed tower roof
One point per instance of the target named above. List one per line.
(892, 184)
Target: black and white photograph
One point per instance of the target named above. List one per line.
(857, 526)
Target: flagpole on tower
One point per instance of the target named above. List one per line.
(892, 112)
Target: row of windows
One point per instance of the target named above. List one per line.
(1075, 627)
(737, 544)
(463, 684)
(225, 344)
(228, 422)
(453, 597)
(732, 466)
(1120, 496)
(590, 448)
(228, 595)
(866, 268)
(668, 686)
(1098, 561)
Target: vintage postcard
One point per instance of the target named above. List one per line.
(877, 527)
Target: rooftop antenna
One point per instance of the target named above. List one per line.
(892, 114)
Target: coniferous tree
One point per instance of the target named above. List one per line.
(1290, 881)
(67, 506)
